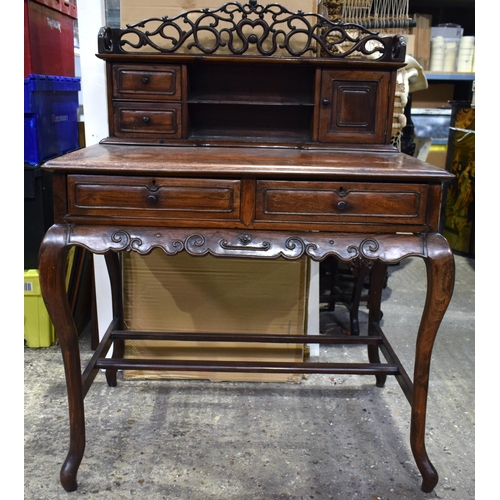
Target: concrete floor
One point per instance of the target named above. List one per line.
(326, 438)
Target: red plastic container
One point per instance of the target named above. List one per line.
(49, 38)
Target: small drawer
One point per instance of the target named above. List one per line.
(148, 82)
(341, 202)
(153, 197)
(147, 119)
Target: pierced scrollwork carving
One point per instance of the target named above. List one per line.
(366, 249)
(299, 245)
(195, 244)
(126, 241)
(262, 244)
(239, 28)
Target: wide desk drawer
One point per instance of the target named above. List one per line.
(349, 202)
(139, 82)
(148, 119)
(153, 197)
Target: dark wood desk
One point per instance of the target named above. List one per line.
(331, 186)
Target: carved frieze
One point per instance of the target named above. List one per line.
(359, 249)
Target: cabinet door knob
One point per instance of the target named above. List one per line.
(342, 205)
(152, 199)
(146, 119)
(145, 79)
(326, 102)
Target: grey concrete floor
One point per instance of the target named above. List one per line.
(324, 438)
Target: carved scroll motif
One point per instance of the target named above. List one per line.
(255, 244)
(240, 27)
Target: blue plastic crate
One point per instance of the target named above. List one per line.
(50, 117)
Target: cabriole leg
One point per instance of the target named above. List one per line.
(52, 269)
(440, 267)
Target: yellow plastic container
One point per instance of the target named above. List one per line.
(38, 328)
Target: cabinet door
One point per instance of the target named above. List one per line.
(354, 107)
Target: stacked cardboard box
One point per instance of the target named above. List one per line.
(182, 293)
(422, 39)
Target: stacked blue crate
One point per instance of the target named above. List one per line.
(50, 117)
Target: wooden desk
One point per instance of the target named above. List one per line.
(203, 182)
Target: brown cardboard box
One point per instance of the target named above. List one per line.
(422, 42)
(435, 96)
(134, 11)
(410, 45)
(185, 293)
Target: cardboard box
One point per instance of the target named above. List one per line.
(134, 11)
(38, 329)
(435, 96)
(227, 295)
(422, 41)
(410, 45)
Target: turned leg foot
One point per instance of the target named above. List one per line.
(430, 478)
(69, 471)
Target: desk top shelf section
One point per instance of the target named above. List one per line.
(250, 74)
(235, 83)
(246, 102)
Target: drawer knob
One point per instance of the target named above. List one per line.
(326, 102)
(342, 205)
(146, 119)
(152, 199)
(145, 79)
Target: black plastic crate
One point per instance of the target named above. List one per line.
(38, 211)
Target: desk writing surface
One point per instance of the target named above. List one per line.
(262, 161)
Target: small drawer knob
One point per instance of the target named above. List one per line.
(145, 79)
(326, 102)
(342, 205)
(146, 119)
(152, 199)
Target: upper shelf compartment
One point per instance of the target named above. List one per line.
(250, 84)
